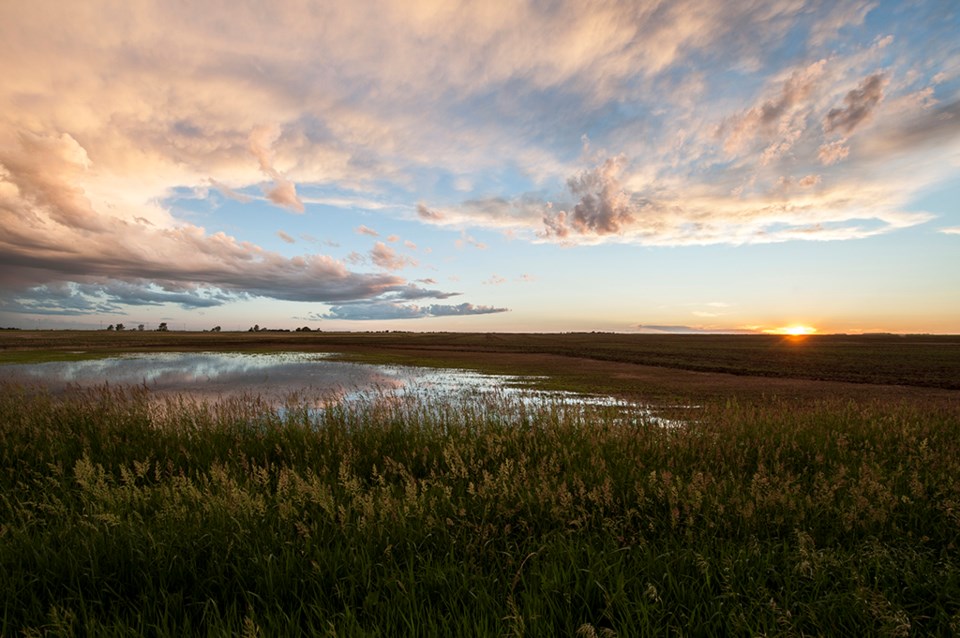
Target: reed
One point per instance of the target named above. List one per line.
(125, 514)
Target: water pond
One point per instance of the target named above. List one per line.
(312, 378)
(210, 375)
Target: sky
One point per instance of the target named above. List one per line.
(523, 166)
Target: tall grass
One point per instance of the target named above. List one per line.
(122, 515)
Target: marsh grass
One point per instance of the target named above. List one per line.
(122, 515)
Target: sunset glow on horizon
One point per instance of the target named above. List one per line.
(666, 168)
(793, 331)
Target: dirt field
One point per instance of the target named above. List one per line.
(661, 367)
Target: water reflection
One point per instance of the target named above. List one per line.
(313, 378)
(205, 373)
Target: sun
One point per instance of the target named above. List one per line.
(796, 330)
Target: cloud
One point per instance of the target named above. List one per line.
(410, 292)
(841, 15)
(44, 170)
(603, 207)
(467, 239)
(388, 310)
(858, 105)
(464, 309)
(955, 230)
(230, 193)
(58, 299)
(833, 152)
(712, 309)
(920, 131)
(283, 193)
(495, 280)
(285, 237)
(695, 109)
(708, 216)
(364, 230)
(599, 207)
(757, 176)
(350, 201)
(781, 117)
(387, 258)
(429, 215)
(676, 329)
(54, 236)
(72, 299)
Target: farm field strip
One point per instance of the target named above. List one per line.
(785, 506)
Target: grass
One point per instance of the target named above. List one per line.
(927, 361)
(124, 515)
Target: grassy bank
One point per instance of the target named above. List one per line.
(122, 516)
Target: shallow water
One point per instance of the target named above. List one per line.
(212, 374)
(313, 378)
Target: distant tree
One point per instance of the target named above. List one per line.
(140, 327)
(120, 327)
(215, 329)
(110, 327)
(256, 328)
(306, 329)
(162, 327)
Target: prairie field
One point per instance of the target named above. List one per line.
(787, 502)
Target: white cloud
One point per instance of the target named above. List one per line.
(387, 258)
(467, 239)
(54, 236)
(704, 129)
(842, 14)
(681, 329)
(833, 152)
(283, 193)
(388, 310)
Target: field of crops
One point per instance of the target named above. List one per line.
(783, 505)
(122, 515)
(911, 360)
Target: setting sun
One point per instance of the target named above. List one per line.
(793, 331)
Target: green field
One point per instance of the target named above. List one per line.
(827, 508)
(931, 361)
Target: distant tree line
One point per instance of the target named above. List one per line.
(257, 328)
(140, 328)
(163, 327)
